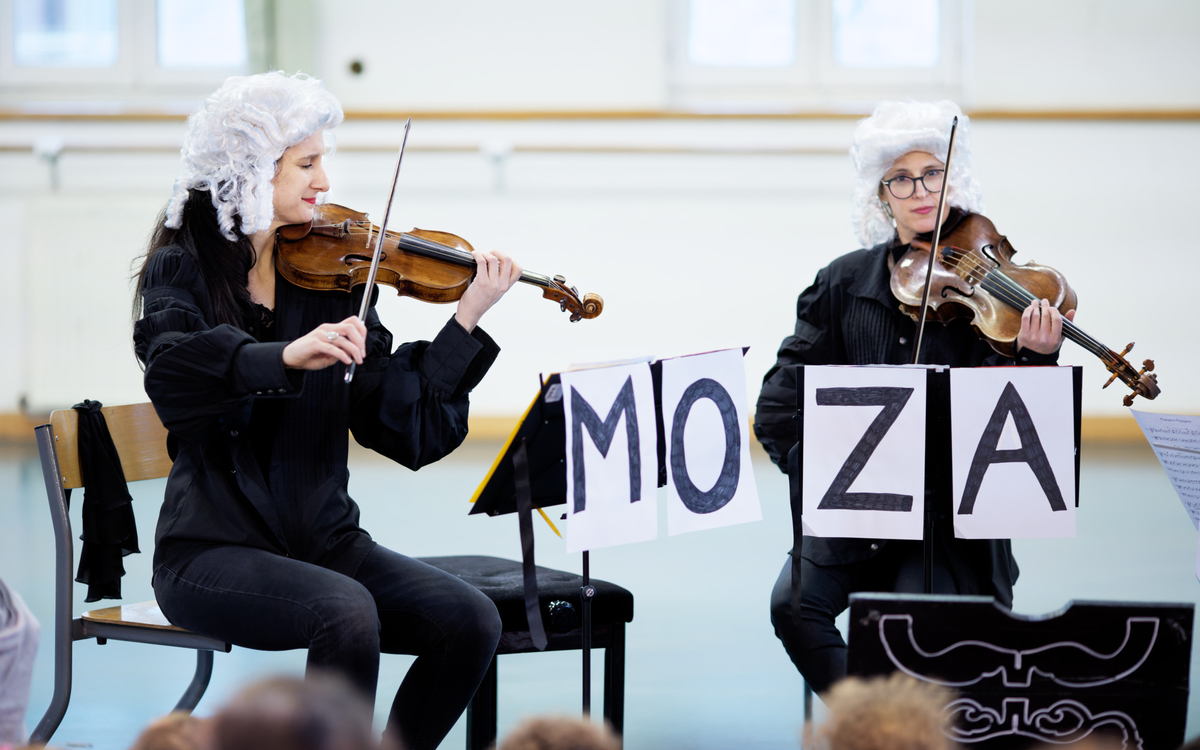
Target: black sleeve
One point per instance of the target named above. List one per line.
(810, 344)
(198, 376)
(411, 405)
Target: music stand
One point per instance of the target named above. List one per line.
(531, 472)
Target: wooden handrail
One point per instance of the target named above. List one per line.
(1182, 114)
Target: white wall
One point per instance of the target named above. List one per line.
(702, 248)
(573, 54)
(1095, 54)
(481, 54)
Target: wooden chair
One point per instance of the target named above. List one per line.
(141, 442)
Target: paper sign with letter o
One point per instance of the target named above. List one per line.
(612, 472)
(1013, 443)
(864, 452)
(710, 481)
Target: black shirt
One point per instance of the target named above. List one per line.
(206, 380)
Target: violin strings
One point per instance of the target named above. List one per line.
(433, 249)
(1003, 287)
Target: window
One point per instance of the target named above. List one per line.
(748, 33)
(120, 50)
(763, 55)
(199, 35)
(65, 33)
(885, 33)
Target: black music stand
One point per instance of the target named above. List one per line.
(1115, 668)
(531, 472)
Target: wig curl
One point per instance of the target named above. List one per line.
(893, 130)
(235, 139)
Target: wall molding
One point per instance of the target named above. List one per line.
(1164, 115)
(18, 428)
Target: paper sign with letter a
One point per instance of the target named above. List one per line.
(864, 452)
(612, 456)
(1013, 443)
(710, 480)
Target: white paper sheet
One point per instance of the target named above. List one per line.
(1175, 439)
(839, 438)
(710, 480)
(611, 495)
(1015, 499)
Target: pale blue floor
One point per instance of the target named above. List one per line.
(704, 669)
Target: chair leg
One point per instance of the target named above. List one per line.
(195, 690)
(64, 645)
(64, 625)
(481, 712)
(614, 679)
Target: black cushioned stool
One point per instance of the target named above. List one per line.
(559, 600)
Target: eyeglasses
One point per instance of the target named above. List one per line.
(903, 186)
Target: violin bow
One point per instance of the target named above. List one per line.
(370, 287)
(937, 236)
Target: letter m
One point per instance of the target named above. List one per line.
(583, 415)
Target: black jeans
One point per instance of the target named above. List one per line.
(393, 604)
(815, 645)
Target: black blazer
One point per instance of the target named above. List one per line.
(410, 405)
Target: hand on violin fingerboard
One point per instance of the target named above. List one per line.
(495, 274)
(1041, 327)
(327, 344)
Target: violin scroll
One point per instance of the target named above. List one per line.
(568, 299)
(1144, 382)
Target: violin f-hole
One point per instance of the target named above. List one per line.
(987, 251)
(956, 290)
(354, 258)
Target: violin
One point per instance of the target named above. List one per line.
(333, 252)
(974, 277)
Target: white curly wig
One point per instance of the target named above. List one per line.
(893, 130)
(234, 140)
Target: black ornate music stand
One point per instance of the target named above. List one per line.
(1115, 668)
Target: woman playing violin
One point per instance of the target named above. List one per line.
(849, 316)
(258, 542)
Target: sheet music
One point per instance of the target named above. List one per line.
(1175, 439)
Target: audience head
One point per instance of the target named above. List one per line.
(284, 713)
(560, 733)
(883, 713)
(175, 731)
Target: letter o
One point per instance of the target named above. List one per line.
(695, 499)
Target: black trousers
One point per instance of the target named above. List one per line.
(814, 643)
(393, 604)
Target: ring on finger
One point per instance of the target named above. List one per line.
(331, 335)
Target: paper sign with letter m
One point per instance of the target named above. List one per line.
(612, 456)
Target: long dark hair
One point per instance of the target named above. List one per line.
(224, 265)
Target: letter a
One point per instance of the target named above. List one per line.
(1030, 452)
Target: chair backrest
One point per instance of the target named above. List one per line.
(141, 443)
(139, 436)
